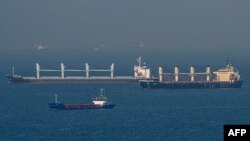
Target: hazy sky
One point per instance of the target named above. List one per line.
(167, 30)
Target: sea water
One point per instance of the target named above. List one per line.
(146, 115)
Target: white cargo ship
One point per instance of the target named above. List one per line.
(140, 72)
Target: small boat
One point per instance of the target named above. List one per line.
(99, 102)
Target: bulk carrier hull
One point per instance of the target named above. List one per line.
(146, 84)
(19, 79)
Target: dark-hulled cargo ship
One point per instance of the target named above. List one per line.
(227, 77)
(99, 102)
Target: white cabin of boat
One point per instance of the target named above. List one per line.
(100, 100)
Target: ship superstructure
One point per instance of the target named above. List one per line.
(141, 71)
(227, 74)
(100, 100)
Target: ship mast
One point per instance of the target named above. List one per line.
(102, 92)
(13, 71)
(227, 61)
(56, 101)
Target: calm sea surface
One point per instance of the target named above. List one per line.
(147, 115)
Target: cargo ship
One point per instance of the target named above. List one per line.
(141, 71)
(228, 77)
(99, 102)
